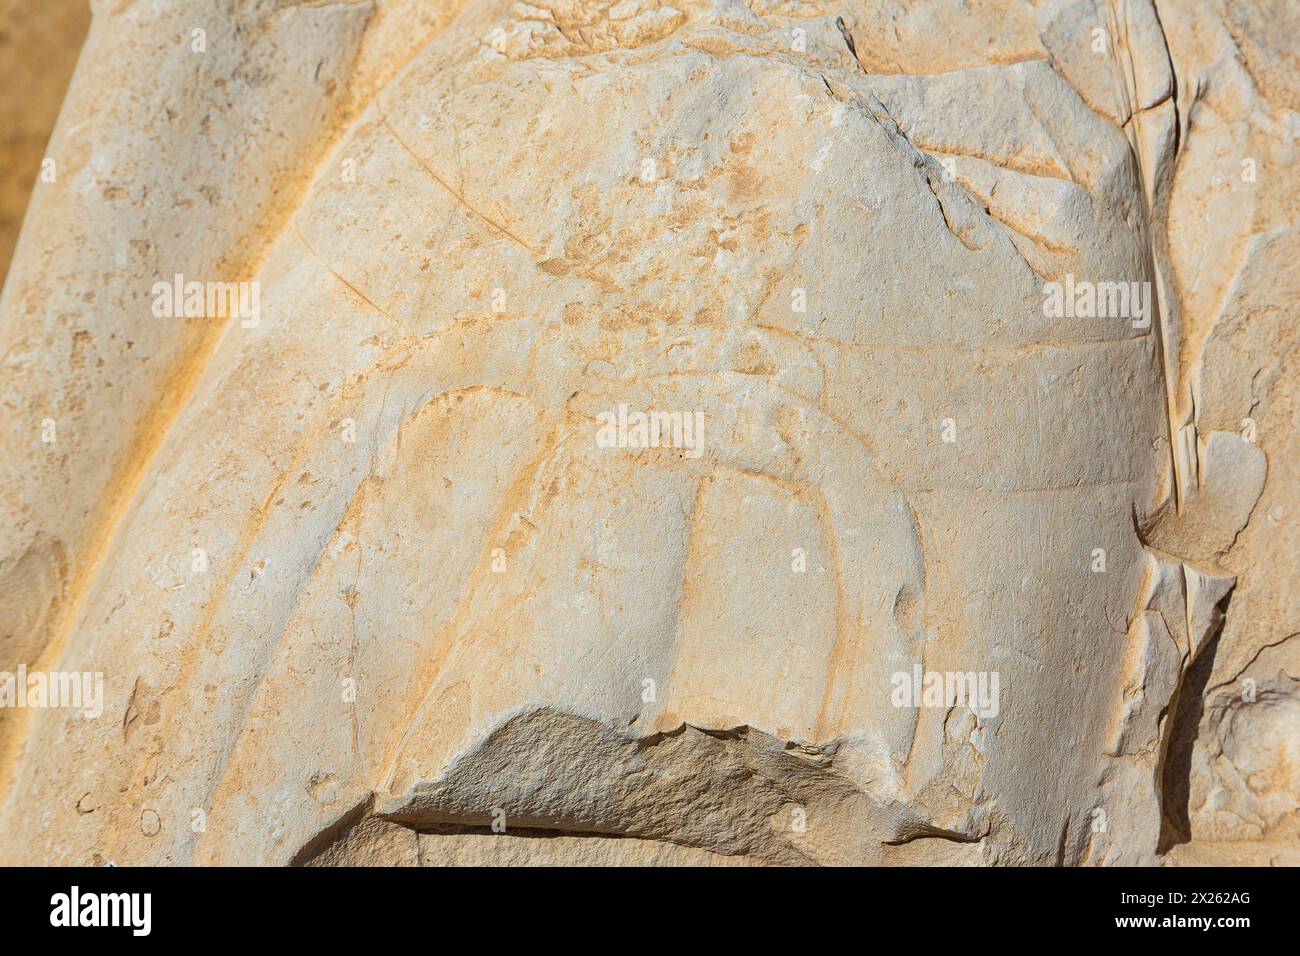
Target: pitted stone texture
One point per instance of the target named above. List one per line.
(435, 605)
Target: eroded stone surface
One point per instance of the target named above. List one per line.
(367, 587)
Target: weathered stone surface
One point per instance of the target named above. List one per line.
(366, 582)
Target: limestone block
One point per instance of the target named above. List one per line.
(641, 433)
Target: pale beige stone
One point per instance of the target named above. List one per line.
(367, 586)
